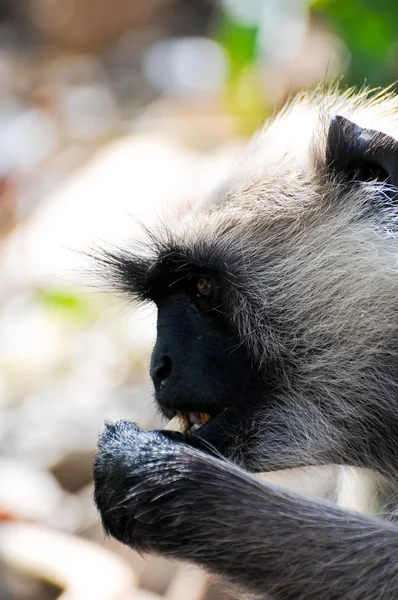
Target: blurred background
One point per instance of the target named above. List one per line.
(109, 111)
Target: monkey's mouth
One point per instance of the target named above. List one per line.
(216, 433)
(187, 422)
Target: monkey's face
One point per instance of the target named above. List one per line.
(277, 308)
(199, 366)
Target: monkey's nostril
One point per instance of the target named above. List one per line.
(163, 370)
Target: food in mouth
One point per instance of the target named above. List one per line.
(184, 422)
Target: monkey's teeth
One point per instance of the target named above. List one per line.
(178, 423)
(204, 418)
(189, 422)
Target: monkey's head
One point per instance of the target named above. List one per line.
(277, 297)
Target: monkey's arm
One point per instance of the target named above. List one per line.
(162, 496)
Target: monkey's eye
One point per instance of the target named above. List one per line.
(203, 292)
(203, 287)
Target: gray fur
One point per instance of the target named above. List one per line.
(313, 275)
(157, 495)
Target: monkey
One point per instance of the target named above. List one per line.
(277, 340)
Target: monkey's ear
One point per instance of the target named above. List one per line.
(361, 154)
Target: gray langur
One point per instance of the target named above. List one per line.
(277, 346)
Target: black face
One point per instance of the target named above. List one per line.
(198, 364)
(264, 418)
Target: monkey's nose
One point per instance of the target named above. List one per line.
(160, 371)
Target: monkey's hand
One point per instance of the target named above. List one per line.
(157, 494)
(148, 487)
